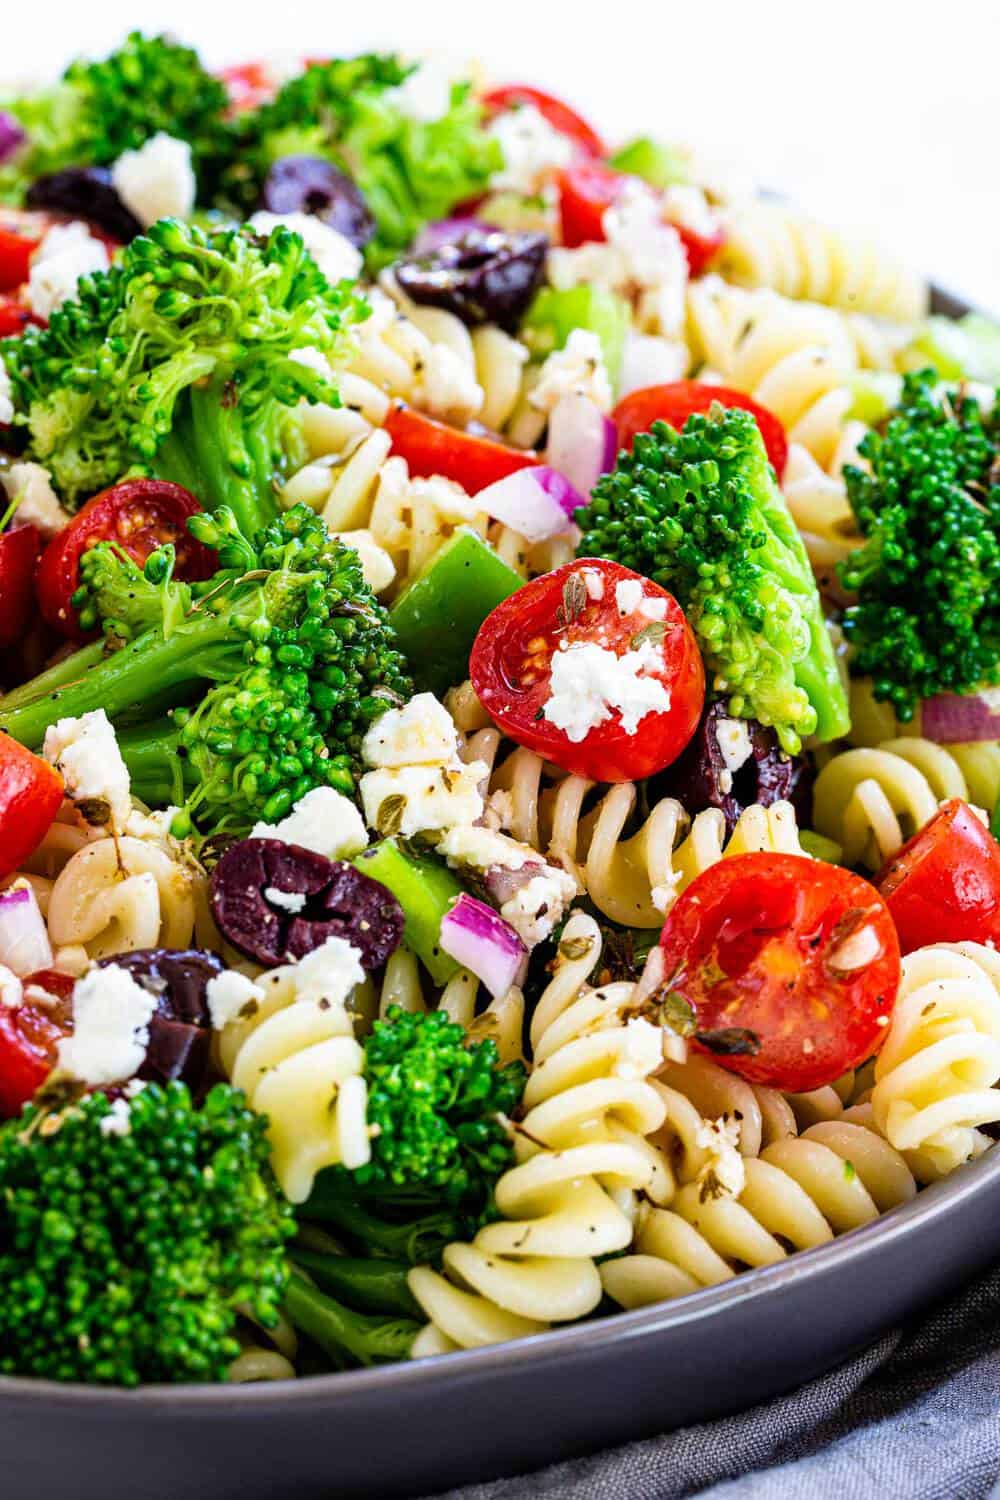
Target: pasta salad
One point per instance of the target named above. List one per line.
(501, 721)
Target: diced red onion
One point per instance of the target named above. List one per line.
(951, 718)
(446, 232)
(479, 939)
(650, 360)
(583, 442)
(538, 502)
(11, 135)
(24, 941)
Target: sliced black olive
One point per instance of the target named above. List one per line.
(700, 778)
(487, 276)
(312, 185)
(276, 902)
(180, 1029)
(85, 193)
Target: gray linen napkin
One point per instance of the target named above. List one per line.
(916, 1417)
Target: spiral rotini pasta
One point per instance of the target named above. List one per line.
(296, 1058)
(582, 1154)
(872, 800)
(116, 895)
(769, 244)
(631, 878)
(936, 1075)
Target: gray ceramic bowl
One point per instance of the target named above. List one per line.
(412, 1429)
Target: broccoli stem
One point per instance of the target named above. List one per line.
(69, 670)
(224, 455)
(155, 767)
(347, 1337)
(412, 1240)
(367, 1284)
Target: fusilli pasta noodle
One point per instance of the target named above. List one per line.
(936, 1075)
(119, 894)
(502, 1020)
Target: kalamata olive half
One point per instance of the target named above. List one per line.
(487, 276)
(85, 193)
(180, 1030)
(276, 902)
(700, 777)
(312, 185)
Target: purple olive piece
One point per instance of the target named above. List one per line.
(86, 193)
(312, 185)
(276, 901)
(485, 277)
(699, 780)
(180, 1030)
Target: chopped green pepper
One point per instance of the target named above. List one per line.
(661, 166)
(426, 890)
(553, 315)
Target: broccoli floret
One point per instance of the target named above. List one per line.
(927, 616)
(123, 1257)
(290, 652)
(100, 109)
(346, 110)
(184, 361)
(700, 512)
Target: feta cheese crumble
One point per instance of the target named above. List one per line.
(409, 800)
(536, 909)
(642, 1053)
(323, 820)
(735, 746)
(157, 181)
(111, 1016)
(291, 901)
(329, 973)
(6, 395)
(118, 1120)
(85, 753)
(67, 252)
(447, 387)
(578, 369)
(628, 595)
(589, 682)
(31, 486)
(422, 732)
(532, 148)
(723, 1174)
(333, 252)
(228, 995)
(11, 989)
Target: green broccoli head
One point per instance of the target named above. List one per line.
(700, 512)
(437, 1105)
(186, 360)
(409, 170)
(927, 616)
(100, 109)
(124, 1256)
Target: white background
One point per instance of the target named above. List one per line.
(882, 115)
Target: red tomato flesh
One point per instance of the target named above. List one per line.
(20, 236)
(795, 961)
(700, 249)
(29, 1035)
(30, 793)
(586, 191)
(15, 317)
(471, 459)
(18, 556)
(511, 668)
(559, 115)
(675, 402)
(944, 884)
(139, 515)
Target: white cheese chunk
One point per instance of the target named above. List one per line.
(723, 1175)
(11, 989)
(37, 502)
(324, 820)
(228, 994)
(479, 848)
(291, 901)
(628, 595)
(111, 1015)
(426, 798)
(532, 148)
(85, 753)
(643, 1050)
(536, 909)
(67, 252)
(589, 682)
(576, 369)
(333, 252)
(6, 395)
(118, 1120)
(735, 745)
(157, 181)
(447, 386)
(422, 732)
(329, 973)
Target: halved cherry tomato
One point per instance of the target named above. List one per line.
(587, 189)
(16, 250)
(140, 515)
(559, 115)
(579, 605)
(248, 85)
(15, 317)
(30, 793)
(944, 885)
(29, 1035)
(675, 402)
(471, 459)
(790, 967)
(700, 249)
(18, 555)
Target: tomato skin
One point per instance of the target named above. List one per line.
(559, 115)
(944, 884)
(16, 250)
(248, 85)
(700, 249)
(750, 945)
(140, 515)
(431, 447)
(30, 795)
(506, 640)
(18, 556)
(587, 189)
(675, 402)
(15, 317)
(29, 1035)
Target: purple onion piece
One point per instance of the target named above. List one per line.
(276, 902)
(24, 939)
(312, 185)
(956, 718)
(582, 442)
(538, 502)
(479, 939)
(180, 1030)
(698, 778)
(487, 276)
(12, 135)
